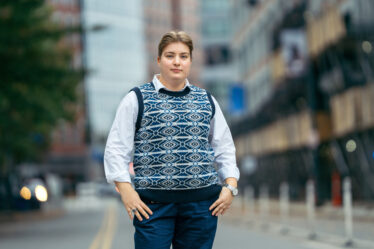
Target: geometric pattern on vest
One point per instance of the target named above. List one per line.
(172, 151)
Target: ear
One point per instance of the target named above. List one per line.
(158, 60)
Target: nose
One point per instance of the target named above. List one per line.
(176, 60)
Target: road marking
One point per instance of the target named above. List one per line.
(112, 223)
(96, 242)
(105, 235)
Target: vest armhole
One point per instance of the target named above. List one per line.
(139, 96)
(211, 103)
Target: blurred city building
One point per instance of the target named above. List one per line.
(115, 58)
(216, 35)
(67, 156)
(161, 16)
(307, 67)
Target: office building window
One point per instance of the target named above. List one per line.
(215, 55)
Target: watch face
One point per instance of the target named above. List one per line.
(233, 190)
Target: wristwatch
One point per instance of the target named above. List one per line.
(234, 191)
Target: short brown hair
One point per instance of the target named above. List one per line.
(175, 36)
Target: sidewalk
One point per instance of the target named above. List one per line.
(47, 211)
(55, 209)
(328, 225)
(32, 215)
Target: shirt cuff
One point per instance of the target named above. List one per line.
(227, 172)
(121, 177)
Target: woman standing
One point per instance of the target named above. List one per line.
(184, 155)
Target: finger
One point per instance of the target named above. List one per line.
(218, 212)
(215, 204)
(223, 210)
(220, 206)
(142, 211)
(146, 208)
(130, 214)
(226, 208)
(137, 214)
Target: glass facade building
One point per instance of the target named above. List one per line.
(218, 75)
(115, 57)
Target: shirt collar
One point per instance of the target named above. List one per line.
(158, 85)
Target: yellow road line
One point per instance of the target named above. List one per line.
(105, 235)
(96, 242)
(112, 223)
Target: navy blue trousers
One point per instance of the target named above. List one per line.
(187, 225)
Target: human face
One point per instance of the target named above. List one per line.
(175, 63)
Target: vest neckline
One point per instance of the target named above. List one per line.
(172, 93)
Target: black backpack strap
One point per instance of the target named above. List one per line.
(211, 103)
(139, 96)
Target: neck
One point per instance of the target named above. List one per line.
(171, 85)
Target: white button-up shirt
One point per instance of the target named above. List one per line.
(120, 144)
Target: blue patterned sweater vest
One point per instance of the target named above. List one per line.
(173, 160)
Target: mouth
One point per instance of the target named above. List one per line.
(176, 70)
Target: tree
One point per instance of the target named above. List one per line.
(37, 81)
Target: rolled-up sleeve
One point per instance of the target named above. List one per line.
(120, 142)
(223, 145)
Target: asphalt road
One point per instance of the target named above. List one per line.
(106, 226)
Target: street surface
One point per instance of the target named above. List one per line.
(103, 224)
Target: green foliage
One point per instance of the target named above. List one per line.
(37, 81)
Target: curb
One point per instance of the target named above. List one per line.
(287, 231)
(272, 222)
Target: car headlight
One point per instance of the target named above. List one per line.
(41, 193)
(25, 193)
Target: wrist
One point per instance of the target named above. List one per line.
(124, 186)
(231, 181)
(234, 190)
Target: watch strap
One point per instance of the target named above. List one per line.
(231, 188)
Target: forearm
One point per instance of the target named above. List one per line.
(123, 186)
